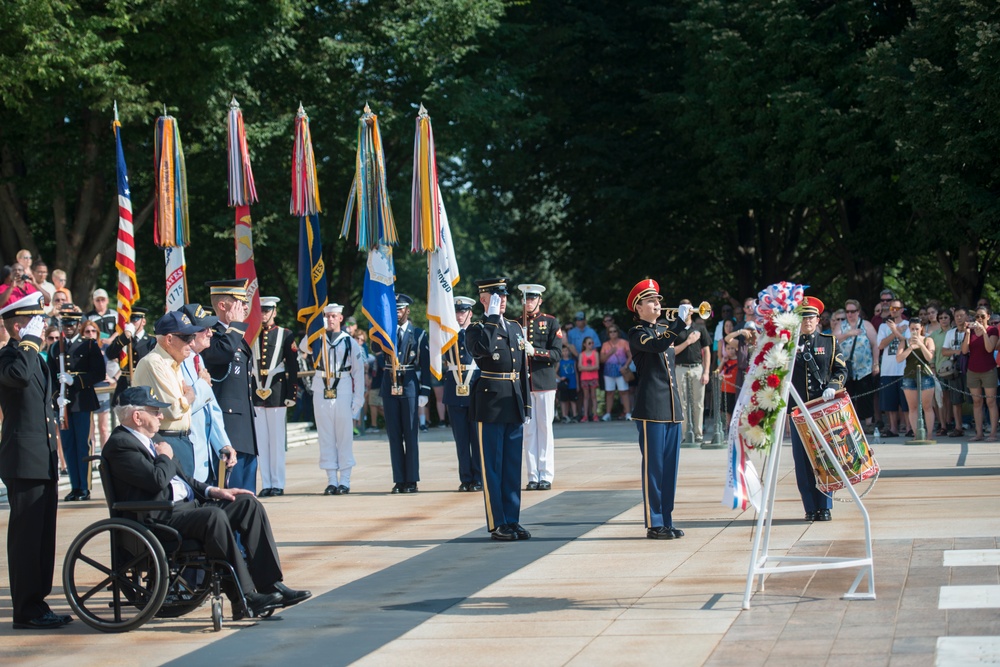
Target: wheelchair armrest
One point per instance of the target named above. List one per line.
(139, 506)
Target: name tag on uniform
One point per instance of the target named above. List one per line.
(329, 393)
(462, 390)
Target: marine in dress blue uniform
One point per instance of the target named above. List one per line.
(544, 355)
(29, 464)
(657, 412)
(457, 384)
(402, 392)
(229, 361)
(819, 372)
(85, 366)
(500, 407)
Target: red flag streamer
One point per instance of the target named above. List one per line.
(171, 229)
(426, 206)
(242, 193)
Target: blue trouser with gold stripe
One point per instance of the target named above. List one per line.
(76, 447)
(660, 443)
(466, 445)
(500, 455)
(813, 499)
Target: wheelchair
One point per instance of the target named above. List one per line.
(122, 571)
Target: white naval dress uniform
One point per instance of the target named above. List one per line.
(344, 375)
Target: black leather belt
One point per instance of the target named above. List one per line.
(175, 434)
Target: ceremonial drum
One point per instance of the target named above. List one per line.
(839, 424)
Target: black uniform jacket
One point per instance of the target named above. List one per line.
(414, 365)
(656, 396)
(140, 347)
(137, 476)
(30, 426)
(85, 362)
(826, 368)
(547, 338)
(499, 349)
(283, 383)
(461, 352)
(228, 360)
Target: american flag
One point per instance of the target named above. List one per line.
(128, 286)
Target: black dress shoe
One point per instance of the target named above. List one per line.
(410, 488)
(810, 516)
(71, 496)
(822, 515)
(520, 531)
(397, 488)
(46, 621)
(476, 486)
(532, 486)
(277, 492)
(503, 533)
(334, 490)
(344, 490)
(660, 533)
(464, 487)
(264, 493)
(290, 596)
(544, 486)
(83, 495)
(258, 603)
(677, 532)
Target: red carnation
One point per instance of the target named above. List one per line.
(769, 328)
(759, 359)
(773, 381)
(786, 334)
(767, 347)
(755, 417)
(755, 386)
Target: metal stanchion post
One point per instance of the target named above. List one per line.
(921, 431)
(718, 438)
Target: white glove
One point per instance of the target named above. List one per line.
(62, 402)
(65, 378)
(289, 402)
(683, 311)
(527, 421)
(129, 329)
(421, 401)
(829, 393)
(34, 327)
(529, 349)
(356, 407)
(494, 307)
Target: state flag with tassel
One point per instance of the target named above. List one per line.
(242, 193)
(171, 229)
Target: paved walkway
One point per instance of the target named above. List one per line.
(413, 578)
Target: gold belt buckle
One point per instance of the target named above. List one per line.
(462, 390)
(329, 393)
(263, 393)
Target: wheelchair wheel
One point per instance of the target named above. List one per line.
(217, 613)
(185, 593)
(115, 575)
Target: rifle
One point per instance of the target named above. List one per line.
(63, 411)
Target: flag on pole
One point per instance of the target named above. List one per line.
(305, 204)
(376, 233)
(242, 193)
(171, 230)
(442, 277)
(128, 285)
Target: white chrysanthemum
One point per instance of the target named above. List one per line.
(788, 321)
(777, 357)
(755, 435)
(769, 399)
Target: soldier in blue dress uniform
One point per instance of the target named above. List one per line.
(657, 412)
(405, 388)
(457, 381)
(500, 406)
(229, 360)
(819, 371)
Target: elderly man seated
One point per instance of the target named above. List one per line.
(143, 468)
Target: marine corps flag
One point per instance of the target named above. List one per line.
(128, 285)
(305, 204)
(242, 193)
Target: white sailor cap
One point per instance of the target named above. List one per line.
(334, 308)
(27, 306)
(269, 301)
(464, 303)
(531, 289)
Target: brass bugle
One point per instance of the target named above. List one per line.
(704, 310)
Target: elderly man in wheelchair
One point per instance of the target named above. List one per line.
(174, 512)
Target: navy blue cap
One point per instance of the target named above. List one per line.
(199, 316)
(175, 322)
(140, 396)
(492, 286)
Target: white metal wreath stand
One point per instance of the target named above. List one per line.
(760, 561)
